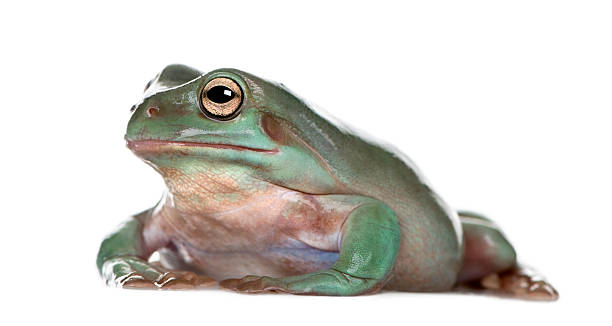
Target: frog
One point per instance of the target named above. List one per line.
(264, 193)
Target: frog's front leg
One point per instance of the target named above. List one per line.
(369, 245)
(122, 261)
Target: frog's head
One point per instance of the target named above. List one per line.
(189, 120)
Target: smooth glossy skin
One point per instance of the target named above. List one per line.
(265, 194)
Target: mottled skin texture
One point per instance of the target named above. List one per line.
(279, 198)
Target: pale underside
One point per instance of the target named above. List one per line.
(208, 223)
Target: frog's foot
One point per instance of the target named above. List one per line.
(325, 282)
(255, 284)
(520, 282)
(133, 272)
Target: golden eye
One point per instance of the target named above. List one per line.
(221, 99)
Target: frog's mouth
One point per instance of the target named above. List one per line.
(158, 145)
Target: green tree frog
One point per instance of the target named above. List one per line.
(265, 194)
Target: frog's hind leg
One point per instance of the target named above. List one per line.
(490, 262)
(486, 250)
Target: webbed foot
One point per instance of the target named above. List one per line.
(520, 282)
(133, 272)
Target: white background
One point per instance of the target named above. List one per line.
(504, 106)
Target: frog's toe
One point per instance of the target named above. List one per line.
(522, 283)
(134, 280)
(541, 290)
(135, 273)
(247, 284)
(180, 280)
(252, 284)
(175, 280)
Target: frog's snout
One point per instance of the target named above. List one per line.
(142, 119)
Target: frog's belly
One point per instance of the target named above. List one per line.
(291, 259)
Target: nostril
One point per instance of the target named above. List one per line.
(151, 111)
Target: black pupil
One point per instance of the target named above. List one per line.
(220, 94)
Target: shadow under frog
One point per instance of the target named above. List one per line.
(264, 194)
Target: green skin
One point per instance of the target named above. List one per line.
(387, 228)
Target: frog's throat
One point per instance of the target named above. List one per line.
(157, 145)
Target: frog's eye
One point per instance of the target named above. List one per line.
(221, 99)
